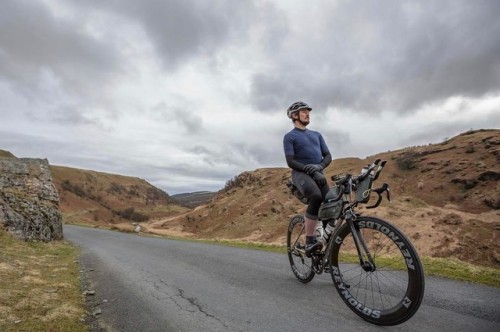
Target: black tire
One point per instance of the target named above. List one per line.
(391, 293)
(295, 243)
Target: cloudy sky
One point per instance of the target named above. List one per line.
(189, 93)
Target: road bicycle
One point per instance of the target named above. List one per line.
(373, 265)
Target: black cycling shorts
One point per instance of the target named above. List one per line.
(310, 189)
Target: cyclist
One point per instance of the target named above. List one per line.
(307, 155)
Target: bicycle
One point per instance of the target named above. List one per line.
(373, 265)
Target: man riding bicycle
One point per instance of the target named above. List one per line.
(307, 155)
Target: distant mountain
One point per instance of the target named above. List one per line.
(194, 199)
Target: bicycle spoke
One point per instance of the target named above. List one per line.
(393, 282)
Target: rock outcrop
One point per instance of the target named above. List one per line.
(29, 201)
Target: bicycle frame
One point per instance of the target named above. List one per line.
(366, 260)
(349, 215)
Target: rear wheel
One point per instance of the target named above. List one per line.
(295, 242)
(390, 291)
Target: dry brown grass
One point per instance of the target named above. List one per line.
(39, 286)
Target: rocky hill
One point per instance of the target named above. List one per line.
(28, 199)
(446, 197)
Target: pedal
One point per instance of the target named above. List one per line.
(314, 249)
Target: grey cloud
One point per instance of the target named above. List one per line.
(394, 57)
(184, 116)
(72, 115)
(262, 153)
(237, 155)
(199, 149)
(24, 145)
(34, 42)
(220, 157)
(338, 141)
(184, 29)
(191, 121)
(179, 178)
(61, 151)
(439, 131)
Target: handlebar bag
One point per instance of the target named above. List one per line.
(363, 189)
(330, 210)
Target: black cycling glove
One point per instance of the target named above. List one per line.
(319, 178)
(312, 168)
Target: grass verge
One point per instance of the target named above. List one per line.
(39, 286)
(459, 270)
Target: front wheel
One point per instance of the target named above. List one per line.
(295, 244)
(387, 292)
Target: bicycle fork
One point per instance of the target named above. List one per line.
(365, 257)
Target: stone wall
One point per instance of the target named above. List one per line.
(29, 201)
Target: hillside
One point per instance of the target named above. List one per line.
(446, 197)
(102, 198)
(6, 154)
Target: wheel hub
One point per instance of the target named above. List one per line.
(368, 267)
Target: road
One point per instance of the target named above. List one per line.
(154, 284)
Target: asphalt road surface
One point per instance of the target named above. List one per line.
(153, 284)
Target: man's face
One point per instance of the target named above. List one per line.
(304, 116)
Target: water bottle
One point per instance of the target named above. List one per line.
(318, 232)
(328, 231)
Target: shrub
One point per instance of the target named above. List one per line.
(470, 148)
(408, 161)
(116, 188)
(241, 180)
(74, 188)
(131, 214)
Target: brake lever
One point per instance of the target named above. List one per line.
(369, 170)
(380, 168)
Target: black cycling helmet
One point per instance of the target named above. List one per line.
(297, 106)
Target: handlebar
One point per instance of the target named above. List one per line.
(349, 181)
(379, 192)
